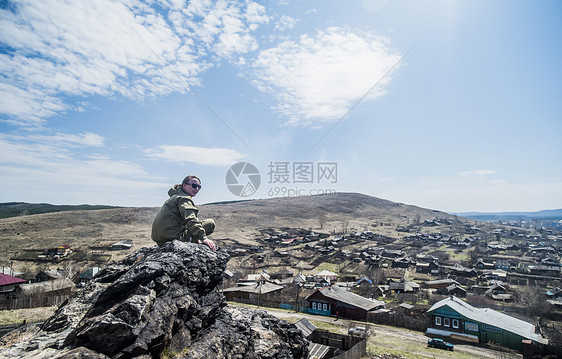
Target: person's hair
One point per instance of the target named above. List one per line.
(189, 178)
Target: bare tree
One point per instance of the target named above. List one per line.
(473, 255)
(344, 226)
(322, 220)
(70, 270)
(532, 299)
(554, 336)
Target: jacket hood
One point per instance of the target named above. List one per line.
(176, 190)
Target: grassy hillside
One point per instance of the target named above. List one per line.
(15, 209)
(239, 221)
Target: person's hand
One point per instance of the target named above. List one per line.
(209, 243)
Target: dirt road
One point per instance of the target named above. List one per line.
(391, 340)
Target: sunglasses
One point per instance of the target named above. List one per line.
(195, 185)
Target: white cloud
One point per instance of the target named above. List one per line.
(58, 140)
(43, 150)
(50, 167)
(72, 140)
(197, 155)
(286, 22)
(28, 107)
(319, 78)
(225, 26)
(56, 48)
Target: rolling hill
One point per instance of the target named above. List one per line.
(15, 209)
(239, 221)
(545, 215)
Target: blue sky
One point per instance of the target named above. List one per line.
(449, 105)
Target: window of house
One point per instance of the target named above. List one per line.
(437, 320)
(456, 323)
(473, 327)
(447, 322)
(325, 307)
(491, 328)
(313, 305)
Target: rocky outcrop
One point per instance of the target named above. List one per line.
(160, 302)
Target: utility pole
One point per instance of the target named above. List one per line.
(297, 300)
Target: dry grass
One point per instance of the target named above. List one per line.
(31, 315)
(239, 221)
(18, 336)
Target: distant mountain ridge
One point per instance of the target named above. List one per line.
(547, 214)
(15, 209)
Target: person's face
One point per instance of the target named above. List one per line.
(192, 188)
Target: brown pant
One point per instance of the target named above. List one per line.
(208, 226)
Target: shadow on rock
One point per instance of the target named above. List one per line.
(160, 301)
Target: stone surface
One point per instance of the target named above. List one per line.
(160, 301)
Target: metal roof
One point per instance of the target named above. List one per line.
(337, 293)
(6, 279)
(317, 351)
(90, 273)
(325, 273)
(441, 281)
(46, 286)
(306, 327)
(258, 288)
(490, 317)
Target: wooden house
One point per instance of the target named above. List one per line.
(50, 274)
(253, 293)
(456, 319)
(334, 301)
(9, 283)
(440, 283)
(481, 264)
(453, 289)
(498, 292)
(87, 276)
(403, 286)
(427, 267)
(327, 276)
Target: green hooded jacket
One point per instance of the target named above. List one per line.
(177, 219)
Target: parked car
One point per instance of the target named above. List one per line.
(359, 332)
(440, 343)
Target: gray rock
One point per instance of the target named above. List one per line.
(160, 301)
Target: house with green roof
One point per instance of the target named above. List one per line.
(87, 276)
(451, 317)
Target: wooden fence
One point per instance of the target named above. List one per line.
(32, 302)
(357, 351)
(352, 347)
(270, 303)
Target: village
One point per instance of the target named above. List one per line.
(447, 278)
(407, 282)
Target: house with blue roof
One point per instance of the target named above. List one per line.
(453, 318)
(554, 293)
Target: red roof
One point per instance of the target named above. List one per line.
(8, 279)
